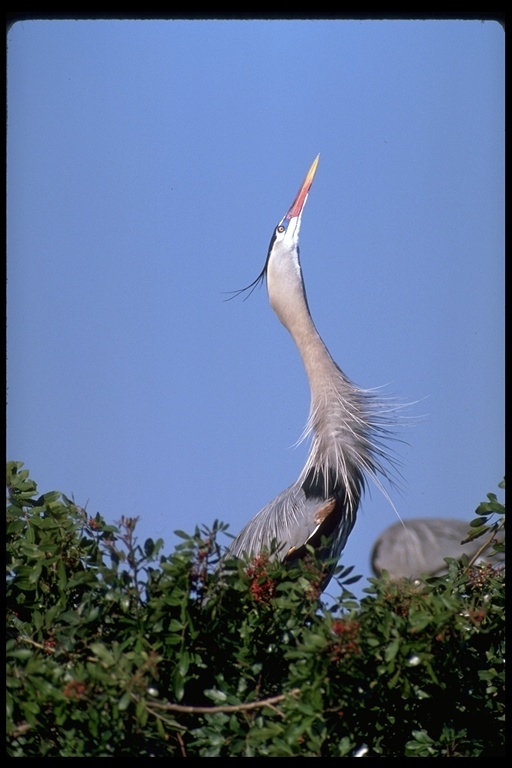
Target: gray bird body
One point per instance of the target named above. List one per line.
(346, 425)
(418, 547)
(294, 519)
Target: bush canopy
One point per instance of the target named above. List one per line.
(115, 649)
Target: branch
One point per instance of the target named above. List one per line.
(485, 544)
(20, 730)
(42, 646)
(223, 708)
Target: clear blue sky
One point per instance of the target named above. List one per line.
(148, 162)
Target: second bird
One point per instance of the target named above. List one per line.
(346, 425)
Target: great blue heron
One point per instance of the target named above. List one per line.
(346, 424)
(418, 547)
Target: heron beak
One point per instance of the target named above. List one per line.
(302, 195)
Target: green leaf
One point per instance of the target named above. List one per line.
(392, 649)
(124, 701)
(219, 697)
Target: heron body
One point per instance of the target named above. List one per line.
(418, 547)
(345, 424)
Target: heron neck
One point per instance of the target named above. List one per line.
(295, 316)
(288, 300)
(317, 360)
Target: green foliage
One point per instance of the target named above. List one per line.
(116, 649)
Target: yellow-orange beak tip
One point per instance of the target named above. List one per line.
(300, 200)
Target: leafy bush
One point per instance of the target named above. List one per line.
(116, 649)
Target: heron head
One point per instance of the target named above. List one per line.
(284, 275)
(287, 231)
(283, 251)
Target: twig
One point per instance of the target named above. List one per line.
(485, 544)
(42, 646)
(21, 729)
(188, 709)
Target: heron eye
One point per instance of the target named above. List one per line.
(280, 228)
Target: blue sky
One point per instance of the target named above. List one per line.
(148, 162)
